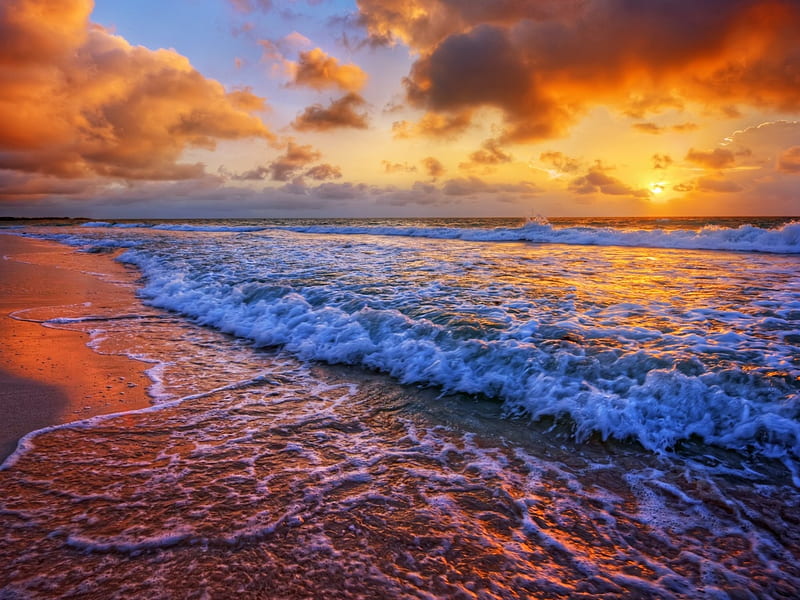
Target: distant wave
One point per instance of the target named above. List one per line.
(746, 238)
(209, 228)
(177, 227)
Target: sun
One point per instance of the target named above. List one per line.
(658, 188)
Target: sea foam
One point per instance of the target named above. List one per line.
(625, 380)
(655, 346)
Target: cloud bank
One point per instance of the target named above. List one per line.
(544, 63)
(79, 102)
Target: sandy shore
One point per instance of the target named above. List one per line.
(50, 376)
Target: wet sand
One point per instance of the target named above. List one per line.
(50, 376)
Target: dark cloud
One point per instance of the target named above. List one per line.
(544, 64)
(339, 113)
(467, 186)
(341, 191)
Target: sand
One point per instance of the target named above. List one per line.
(50, 376)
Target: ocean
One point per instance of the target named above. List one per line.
(430, 408)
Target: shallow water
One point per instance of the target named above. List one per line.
(424, 417)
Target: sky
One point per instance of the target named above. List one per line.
(399, 108)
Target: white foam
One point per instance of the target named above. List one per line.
(535, 327)
(651, 391)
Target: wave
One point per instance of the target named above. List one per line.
(706, 369)
(745, 238)
(656, 397)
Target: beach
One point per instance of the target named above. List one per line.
(48, 375)
(403, 410)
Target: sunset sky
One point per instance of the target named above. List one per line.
(324, 108)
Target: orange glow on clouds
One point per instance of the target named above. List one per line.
(564, 105)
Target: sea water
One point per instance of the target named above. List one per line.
(429, 408)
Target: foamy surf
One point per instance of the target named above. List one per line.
(681, 346)
(265, 470)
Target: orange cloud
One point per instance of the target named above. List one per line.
(296, 157)
(490, 154)
(323, 172)
(77, 101)
(662, 161)
(718, 158)
(340, 113)
(391, 167)
(433, 125)
(16, 186)
(597, 180)
(319, 71)
(649, 127)
(433, 166)
(789, 160)
(560, 162)
(544, 64)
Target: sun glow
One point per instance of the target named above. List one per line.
(658, 188)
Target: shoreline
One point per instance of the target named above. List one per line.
(50, 376)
